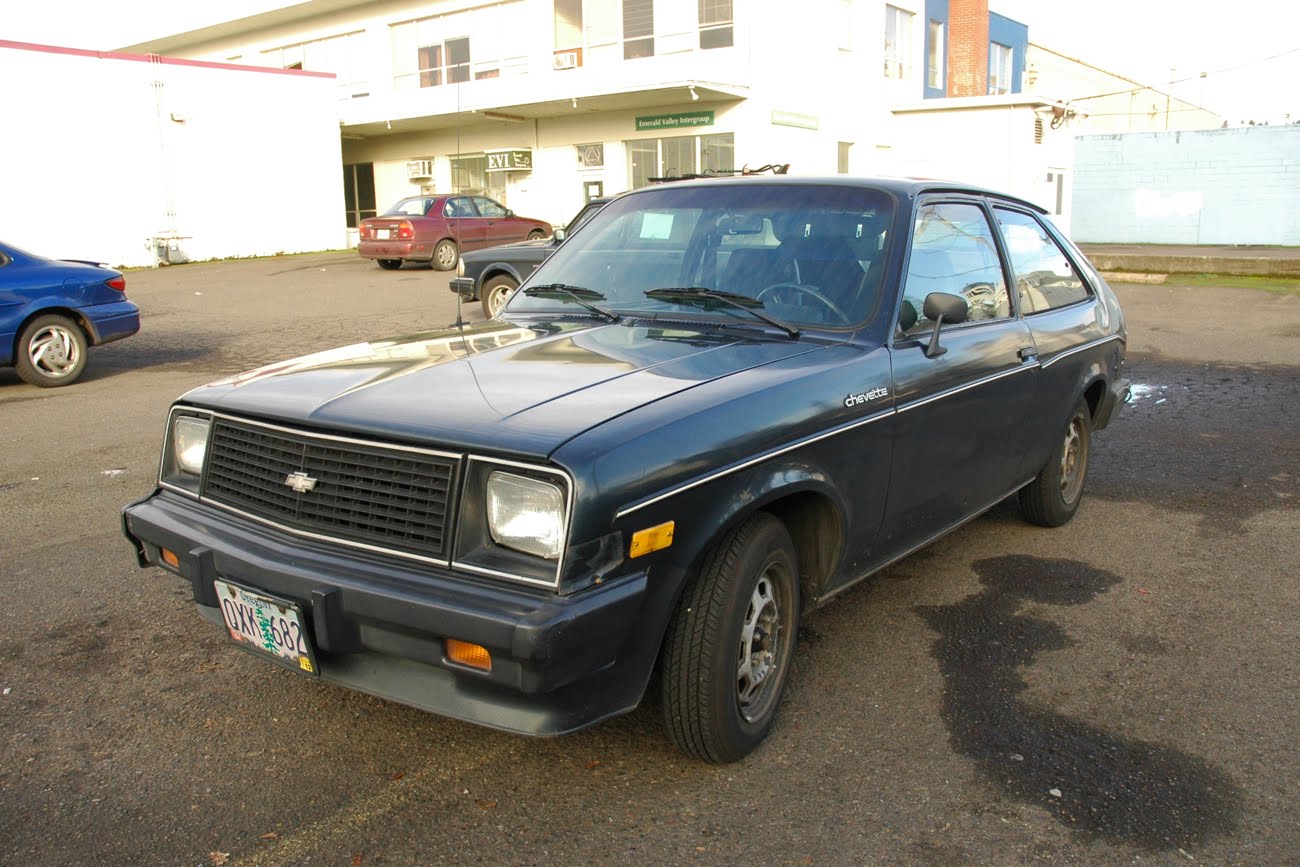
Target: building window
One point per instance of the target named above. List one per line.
(340, 55)
(715, 24)
(898, 43)
(469, 175)
(638, 29)
(436, 51)
(604, 31)
(445, 63)
(934, 55)
(842, 161)
(679, 155)
(999, 68)
(359, 192)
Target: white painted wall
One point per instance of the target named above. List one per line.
(108, 152)
(1225, 186)
(992, 146)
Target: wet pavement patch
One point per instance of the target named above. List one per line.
(1091, 780)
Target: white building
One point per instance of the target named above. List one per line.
(133, 160)
(543, 104)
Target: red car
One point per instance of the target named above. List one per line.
(436, 228)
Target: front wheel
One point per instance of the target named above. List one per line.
(536, 235)
(496, 292)
(1054, 495)
(51, 351)
(728, 648)
(389, 264)
(445, 255)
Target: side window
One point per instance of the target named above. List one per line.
(489, 208)
(953, 253)
(458, 207)
(1045, 279)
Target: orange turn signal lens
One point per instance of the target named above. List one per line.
(170, 558)
(464, 653)
(651, 539)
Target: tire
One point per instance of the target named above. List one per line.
(389, 264)
(51, 351)
(1053, 497)
(496, 292)
(536, 235)
(746, 598)
(445, 255)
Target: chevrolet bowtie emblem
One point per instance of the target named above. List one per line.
(300, 482)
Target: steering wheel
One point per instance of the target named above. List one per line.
(811, 291)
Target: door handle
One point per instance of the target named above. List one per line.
(1027, 352)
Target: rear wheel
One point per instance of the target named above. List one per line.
(496, 292)
(536, 235)
(728, 648)
(51, 351)
(445, 255)
(1054, 495)
(389, 264)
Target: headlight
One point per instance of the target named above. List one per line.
(460, 267)
(190, 443)
(184, 449)
(525, 514)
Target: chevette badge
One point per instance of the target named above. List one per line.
(300, 482)
(866, 397)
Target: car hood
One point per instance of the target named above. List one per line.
(495, 386)
(495, 252)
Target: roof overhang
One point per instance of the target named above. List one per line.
(673, 94)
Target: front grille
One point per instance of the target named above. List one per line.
(371, 494)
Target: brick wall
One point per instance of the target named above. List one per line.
(1222, 186)
(968, 47)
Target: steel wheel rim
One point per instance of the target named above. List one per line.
(760, 657)
(1074, 461)
(54, 351)
(446, 254)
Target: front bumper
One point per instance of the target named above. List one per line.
(465, 288)
(559, 663)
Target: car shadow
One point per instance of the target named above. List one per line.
(1093, 781)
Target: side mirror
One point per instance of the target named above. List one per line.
(952, 308)
(559, 235)
(509, 213)
(941, 307)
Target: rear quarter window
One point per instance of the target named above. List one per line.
(1045, 278)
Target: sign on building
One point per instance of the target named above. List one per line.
(681, 120)
(515, 160)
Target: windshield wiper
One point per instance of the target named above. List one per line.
(713, 298)
(565, 292)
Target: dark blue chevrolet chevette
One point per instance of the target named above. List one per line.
(714, 408)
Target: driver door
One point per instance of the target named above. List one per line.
(961, 415)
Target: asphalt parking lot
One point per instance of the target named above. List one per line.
(1124, 689)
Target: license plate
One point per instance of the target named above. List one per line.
(268, 625)
(382, 234)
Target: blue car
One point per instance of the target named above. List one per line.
(51, 311)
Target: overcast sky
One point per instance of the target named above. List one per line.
(1143, 39)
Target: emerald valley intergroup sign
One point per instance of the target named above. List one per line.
(681, 120)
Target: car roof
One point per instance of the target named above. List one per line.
(903, 188)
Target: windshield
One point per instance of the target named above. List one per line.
(807, 254)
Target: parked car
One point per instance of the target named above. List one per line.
(495, 273)
(437, 229)
(52, 311)
(713, 409)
